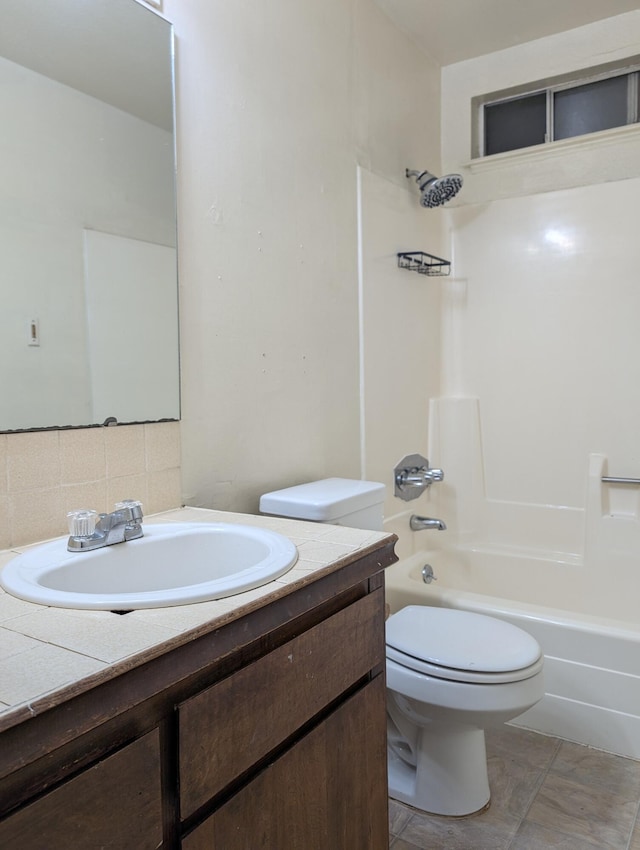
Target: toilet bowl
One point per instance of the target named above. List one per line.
(450, 673)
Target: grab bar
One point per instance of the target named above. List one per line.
(612, 479)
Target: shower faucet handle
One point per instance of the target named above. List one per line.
(413, 475)
(412, 478)
(422, 477)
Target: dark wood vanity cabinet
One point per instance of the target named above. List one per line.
(323, 792)
(115, 803)
(267, 731)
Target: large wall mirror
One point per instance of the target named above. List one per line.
(88, 283)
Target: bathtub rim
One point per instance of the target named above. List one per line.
(401, 577)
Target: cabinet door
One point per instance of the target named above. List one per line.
(328, 792)
(226, 729)
(114, 805)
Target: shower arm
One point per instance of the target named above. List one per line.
(411, 172)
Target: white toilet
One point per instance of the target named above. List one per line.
(450, 673)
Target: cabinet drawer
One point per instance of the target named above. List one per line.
(327, 792)
(230, 726)
(116, 804)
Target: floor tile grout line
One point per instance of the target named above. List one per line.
(540, 781)
(554, 761)
(636, 822)
(560, 742)
(404, 806)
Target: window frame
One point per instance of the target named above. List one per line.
(629, 68)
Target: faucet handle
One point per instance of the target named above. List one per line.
(132, 509)
(82, 523)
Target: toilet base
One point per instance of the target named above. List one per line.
(450, 775)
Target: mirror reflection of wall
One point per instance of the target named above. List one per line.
(88, 288)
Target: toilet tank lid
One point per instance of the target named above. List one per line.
(323, 500)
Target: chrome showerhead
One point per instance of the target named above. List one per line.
(435, 191)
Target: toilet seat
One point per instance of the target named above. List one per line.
(461, 646)
(466, 676)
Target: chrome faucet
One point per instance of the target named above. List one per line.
(419, 523)
(413, 475)
(90, 530)
(422, 477)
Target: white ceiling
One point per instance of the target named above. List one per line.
(453, 30)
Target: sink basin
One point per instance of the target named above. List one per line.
(173, 564)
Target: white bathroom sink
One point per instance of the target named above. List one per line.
(173, 564)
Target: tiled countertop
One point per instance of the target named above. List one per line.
(45, 651)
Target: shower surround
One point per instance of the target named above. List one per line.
(566, 574)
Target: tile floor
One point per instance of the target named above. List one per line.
(547, 794)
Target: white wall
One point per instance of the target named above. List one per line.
(613, 155)
(401, 336)
(540, 318)
(278, 104)
(549, 336)
(277, 109)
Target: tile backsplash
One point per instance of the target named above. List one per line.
(44, 474)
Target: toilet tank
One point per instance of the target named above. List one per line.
(340, 501)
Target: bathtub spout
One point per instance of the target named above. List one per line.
(419, 523)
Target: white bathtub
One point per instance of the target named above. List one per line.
(590, 634)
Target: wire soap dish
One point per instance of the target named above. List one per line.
(419, 261)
